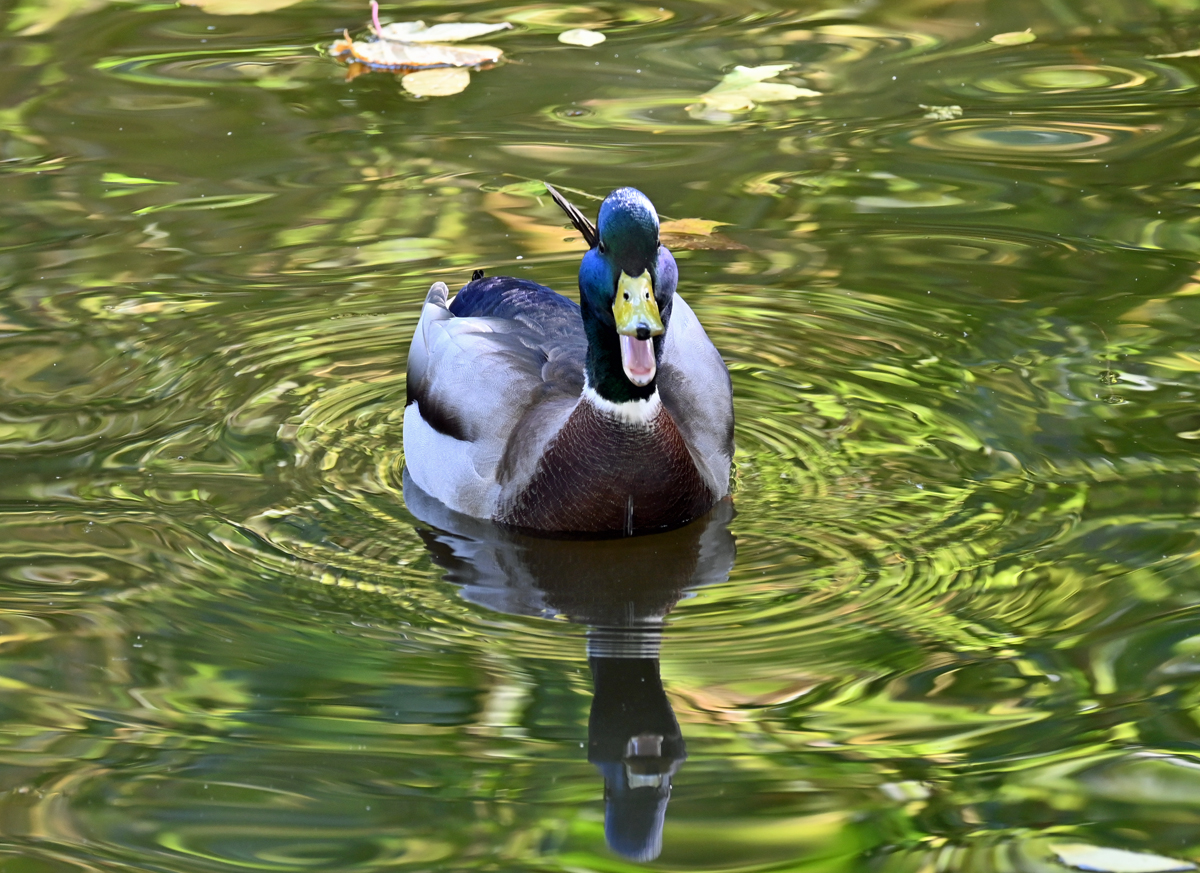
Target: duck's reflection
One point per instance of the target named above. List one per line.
(635, 742)
(621, 589)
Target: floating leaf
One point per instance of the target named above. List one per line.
(416, 31)
(1190, 53)
(239, 7)
(695, 233)
(410, 45)
(701, 226)
(1103, 860)
(527, 188)
(439, 82)
(1017, 37)
(743, 89)
(128, 184)
(222, 201)
(581, 36)
(122, 179)
(383, 54)
(697, 242)
(942, 113)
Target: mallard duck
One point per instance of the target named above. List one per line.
(611, 417)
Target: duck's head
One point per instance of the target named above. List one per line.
(626, 283)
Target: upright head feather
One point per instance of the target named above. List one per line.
(581, 221)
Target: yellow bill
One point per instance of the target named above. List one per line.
(636, 313)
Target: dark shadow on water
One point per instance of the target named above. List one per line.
(621, 589)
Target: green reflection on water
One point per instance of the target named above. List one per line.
(960, 627)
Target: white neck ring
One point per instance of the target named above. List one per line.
(638, 412)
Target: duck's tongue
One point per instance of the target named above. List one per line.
(637, 359)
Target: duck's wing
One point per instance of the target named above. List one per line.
(695, 388)
(491, 377)
(543, 321)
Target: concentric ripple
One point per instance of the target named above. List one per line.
(1067, 80)
(1040, 141)
(949, 620)
(281, 68)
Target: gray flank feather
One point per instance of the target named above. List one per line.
(694, 384)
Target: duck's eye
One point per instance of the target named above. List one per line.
(601, 247)
(646, 295)
(626, 295)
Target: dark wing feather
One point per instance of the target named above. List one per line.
(581, 222)
(553, 324)
(507, 297)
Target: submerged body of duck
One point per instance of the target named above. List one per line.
(611, 417)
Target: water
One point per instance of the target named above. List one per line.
(954, 622)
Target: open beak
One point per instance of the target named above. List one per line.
(636, 313)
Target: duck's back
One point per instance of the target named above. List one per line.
(521, 300)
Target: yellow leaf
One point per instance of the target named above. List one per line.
(440, 82)
(239, 7)
(701, 226)
(1017, 37)
(696, 242)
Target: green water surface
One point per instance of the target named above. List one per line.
(954, 624)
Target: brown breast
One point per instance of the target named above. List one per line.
(602, 475)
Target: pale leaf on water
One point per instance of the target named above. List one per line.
(773, 92)
(1104, 860)
(384, 54)
(439, 82)
(741, 77)
(718, 107)
(410, 45)
(1190, 53)
(1016, 37)
(581, 36)
(239, 7)
(743, 89)
(416, 31)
